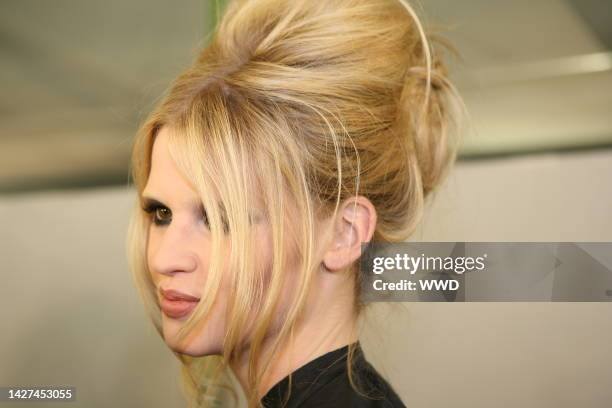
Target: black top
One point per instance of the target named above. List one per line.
(324, 383)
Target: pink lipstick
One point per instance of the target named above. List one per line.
(177, 304)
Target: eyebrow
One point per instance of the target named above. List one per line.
(149, 202)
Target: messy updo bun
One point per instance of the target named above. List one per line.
(312, 100)
(359, 74)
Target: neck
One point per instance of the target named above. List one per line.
(324, 328)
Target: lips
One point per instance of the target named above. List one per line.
(172, 294)
(177, 304)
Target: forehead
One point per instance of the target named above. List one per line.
(166, 182)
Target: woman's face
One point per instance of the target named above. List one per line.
(179, 252)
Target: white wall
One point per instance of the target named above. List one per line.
(72, 316)
(526, 355)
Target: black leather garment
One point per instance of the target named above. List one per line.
(324, 383)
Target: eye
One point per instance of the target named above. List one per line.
(204, 217)
(206, 221)
(160, 215)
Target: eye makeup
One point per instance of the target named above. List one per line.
(161, 215)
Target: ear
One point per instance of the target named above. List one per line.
(355, 223)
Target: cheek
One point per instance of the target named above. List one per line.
(205, 339)
(207, 336)
(289, 270)
(263, 259)
(150, 251)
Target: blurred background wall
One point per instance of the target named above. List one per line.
(77, 77)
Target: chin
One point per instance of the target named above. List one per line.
(197, 351)
(204, 343)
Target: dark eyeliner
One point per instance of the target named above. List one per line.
(151, 206)
(204, 215)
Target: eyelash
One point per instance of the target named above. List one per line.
(152, 211)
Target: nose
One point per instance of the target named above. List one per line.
(169, 251)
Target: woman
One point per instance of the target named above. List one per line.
(304, 129)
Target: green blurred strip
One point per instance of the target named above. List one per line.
(213, 11)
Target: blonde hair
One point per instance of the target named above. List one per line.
(326, 100)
